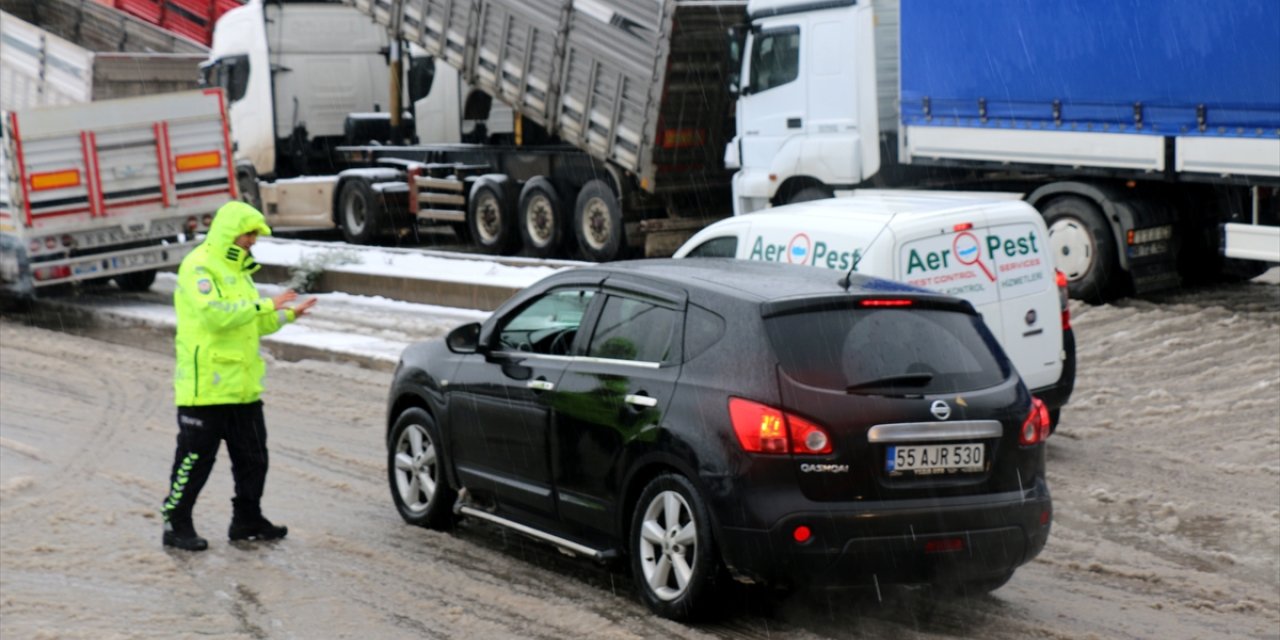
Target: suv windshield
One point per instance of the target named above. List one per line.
(887, 351)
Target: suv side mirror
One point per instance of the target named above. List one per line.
(464, 339)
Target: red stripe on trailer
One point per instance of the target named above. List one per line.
(197, 194)
(227, 141)
(22, 168)
(122, 203)
(163, 157)
(97, 173)
(64, 212)
(95, 189)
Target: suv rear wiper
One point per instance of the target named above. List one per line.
(903, 380)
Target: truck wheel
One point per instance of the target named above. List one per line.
(247, 185)
(358, 212)
(1083, 248)
(491, 217)
(597, 222)
(541, 218)
(137, 281)
(810, 193)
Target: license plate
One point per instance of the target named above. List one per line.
(929, 459)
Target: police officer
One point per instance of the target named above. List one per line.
(218, 378)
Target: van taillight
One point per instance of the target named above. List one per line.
(1035, 429)
(1061, 279)
(764, 429)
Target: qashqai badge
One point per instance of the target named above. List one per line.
(940, 409)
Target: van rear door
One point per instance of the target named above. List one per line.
(999, 262)
(1031, 325)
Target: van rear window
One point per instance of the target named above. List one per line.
(888, 350)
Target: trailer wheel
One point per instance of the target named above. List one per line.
(541, 218)
(137, 281)
(1083, 248)
(491, 217)
(597, 222)
(359, 214)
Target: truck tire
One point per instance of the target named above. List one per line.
(597, 222)
(491, 217)
(137, 281)
(1083, 248)
(359, 214)
(810, 193)
(541, 217)
(247, 185)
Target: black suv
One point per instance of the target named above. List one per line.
(695, 416)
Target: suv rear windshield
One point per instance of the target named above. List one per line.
(888, 350)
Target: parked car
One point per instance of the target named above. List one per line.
(991, 249)
(713, 418)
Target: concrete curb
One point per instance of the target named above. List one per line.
(464, 295)
(116, 326)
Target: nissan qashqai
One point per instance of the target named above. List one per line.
(716, 419)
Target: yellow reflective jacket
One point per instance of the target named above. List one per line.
(221, 316)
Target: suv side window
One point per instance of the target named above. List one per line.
(775, 58)
(722, 247)
(635, 330)
(548, 325)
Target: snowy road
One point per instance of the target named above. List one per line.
(1165, 473)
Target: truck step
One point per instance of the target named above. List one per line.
(442, 198)
(442, 215)
(440, 184)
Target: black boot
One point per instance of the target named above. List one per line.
(182, 535)
(247, 523)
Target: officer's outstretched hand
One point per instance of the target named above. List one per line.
(301, 308)
(288, 296)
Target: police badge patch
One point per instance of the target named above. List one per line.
(205, 285)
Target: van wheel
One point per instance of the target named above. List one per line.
(358, 212)
(597, 222)
(1083, 248)
(491, 217)
(541, 218)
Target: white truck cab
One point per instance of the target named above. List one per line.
(990, 249)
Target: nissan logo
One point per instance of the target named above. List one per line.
(940, 410)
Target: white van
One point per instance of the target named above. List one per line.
(990, 249)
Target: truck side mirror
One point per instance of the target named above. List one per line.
(422, 73)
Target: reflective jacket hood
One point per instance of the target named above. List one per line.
(230, 222)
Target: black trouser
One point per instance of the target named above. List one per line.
(200, 432)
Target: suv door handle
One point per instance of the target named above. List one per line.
(640, 400)
(541, 384)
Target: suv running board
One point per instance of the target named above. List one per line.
(574, 548)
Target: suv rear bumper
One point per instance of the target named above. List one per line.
(1056, 395)
(866, 547)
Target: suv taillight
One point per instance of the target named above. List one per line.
(1035, 429)
(764, 429)
(1061, 279)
